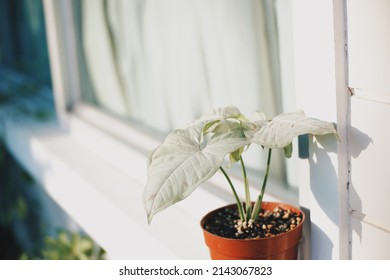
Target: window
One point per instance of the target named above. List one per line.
(161, 64)
(106, 69)
(164, 63)
(23, 40)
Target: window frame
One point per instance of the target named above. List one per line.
(68, 92)
(71, 103)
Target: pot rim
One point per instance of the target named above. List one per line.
(287, 205)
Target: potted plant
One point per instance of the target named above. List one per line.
(190, 156)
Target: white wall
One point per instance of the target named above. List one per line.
(369, 68)
(345, 185)
(315, 87)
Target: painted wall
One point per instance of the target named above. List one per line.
(356, 227)
(315, 88)
(369, 68)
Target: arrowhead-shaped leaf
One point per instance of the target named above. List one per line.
(281, 130)
(179, 165)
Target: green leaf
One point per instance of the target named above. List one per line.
(223, 126)
(236, 155)
(281, 130)
(225, 119)
(179, 165)
(288, 150)
(210, 126)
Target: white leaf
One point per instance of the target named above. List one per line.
(281, 130)
(179, 165)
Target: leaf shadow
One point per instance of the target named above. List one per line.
(359, 142)
(324, 181)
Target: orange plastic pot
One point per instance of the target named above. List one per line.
(281, 247)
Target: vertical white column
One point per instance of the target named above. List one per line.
(315, 86)
(343, 125)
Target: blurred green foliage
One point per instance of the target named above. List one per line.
(13, 204)
(68, 246)
(20, 219)
(19, 207)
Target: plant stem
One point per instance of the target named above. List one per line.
(239, 206)
(257, 207)
(248, 202)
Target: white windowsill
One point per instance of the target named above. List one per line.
(100, 196)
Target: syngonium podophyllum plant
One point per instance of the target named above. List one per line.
(192, 155)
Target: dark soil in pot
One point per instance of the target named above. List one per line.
(270, 223)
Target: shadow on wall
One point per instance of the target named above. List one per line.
(304, 253)
(360, 143)
(323, 176)
(321, 242)
(324, 184)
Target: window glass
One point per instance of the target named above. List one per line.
(164, 63)
(23, 45)
(25, 80)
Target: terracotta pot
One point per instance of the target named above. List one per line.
(281, 247)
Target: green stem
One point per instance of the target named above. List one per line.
(240, 210)
(257, 207)
(248, 203)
